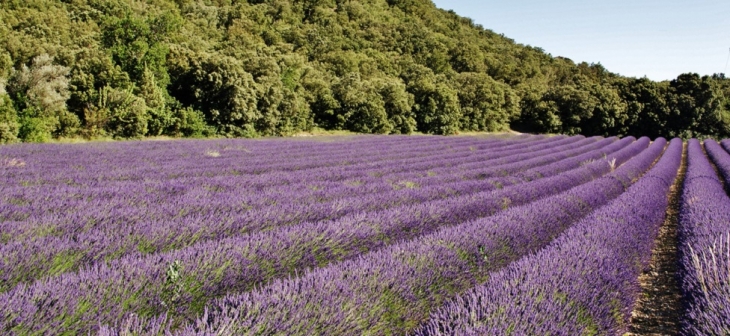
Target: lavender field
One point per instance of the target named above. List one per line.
(361, 235)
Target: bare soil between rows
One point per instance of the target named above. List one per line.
(658, 309)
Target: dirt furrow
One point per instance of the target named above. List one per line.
(658, 309)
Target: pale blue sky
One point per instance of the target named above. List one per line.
(656, 39)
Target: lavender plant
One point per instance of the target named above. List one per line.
(239, 263)
(703, 246)
(351, 236)
(391, 290)
(583, 283)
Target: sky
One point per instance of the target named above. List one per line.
(656, 39)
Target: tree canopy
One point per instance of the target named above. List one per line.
(275, 67)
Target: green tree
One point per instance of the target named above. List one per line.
(467, 57)
(92, 71)
(398, 104)
(581, 107)
(160, 117)
(609, 115)
(40, 93)
(283, 108)
(321, 99)
(277, 67)
(219, 87)
(646, 106)
(6, 66)
(118, 113)
(361, 108)
(537, 115)
(486, 104)
(695, 108)
(139, 44)
(436, 103)
(9, 126)
(188, 122)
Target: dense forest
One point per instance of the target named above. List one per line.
(197, 68)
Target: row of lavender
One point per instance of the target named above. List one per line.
(601, 302)
(27, 256)
(228, 200)
(228, 189)
(163, 161)
(586, 281)
(22, 264)
(565, 233)
(391, 290)
(238, 263)
(359, 180)
(583, 283)
(704, 241)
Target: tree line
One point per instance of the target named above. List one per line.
(199, 68)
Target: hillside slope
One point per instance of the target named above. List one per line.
(275, 67)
